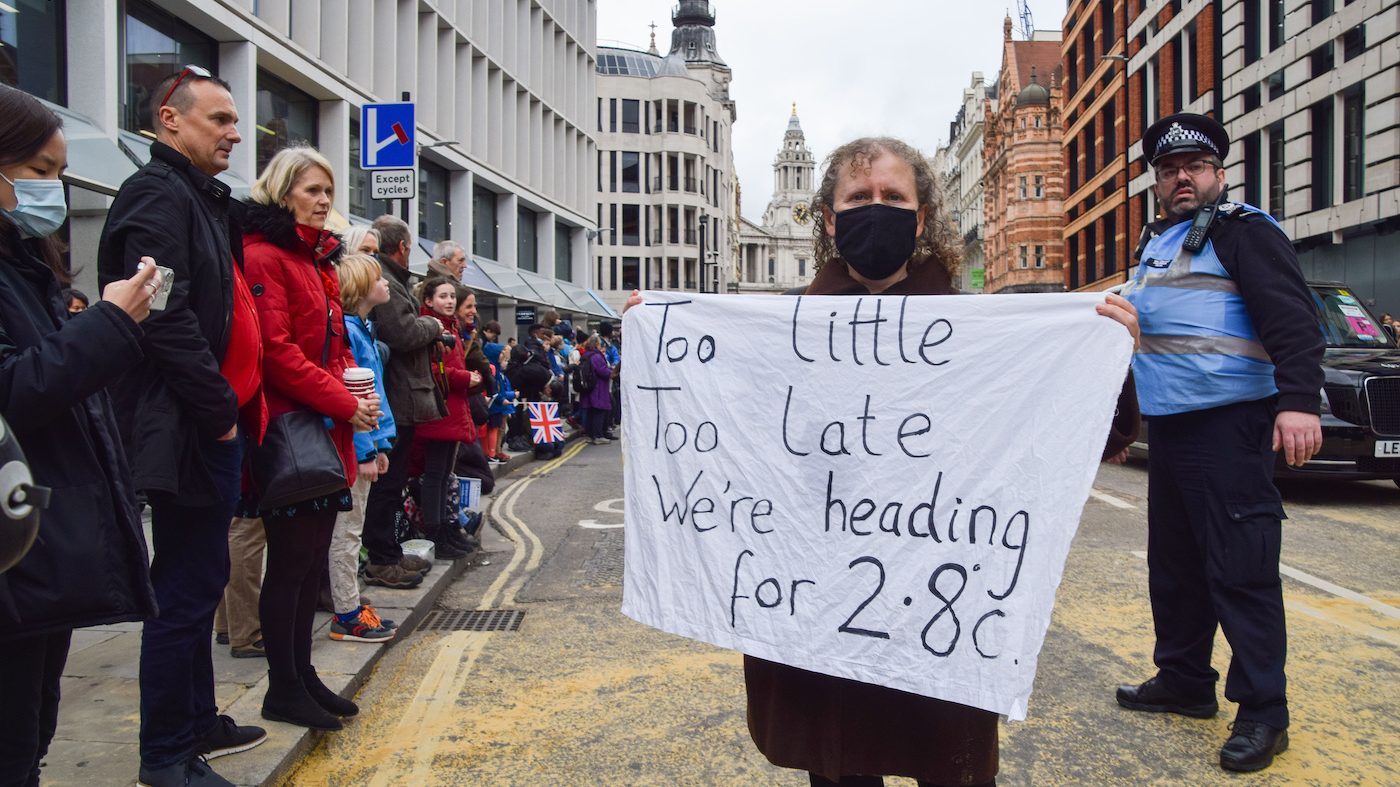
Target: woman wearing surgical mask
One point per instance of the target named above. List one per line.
(88, 566)
(882, 233)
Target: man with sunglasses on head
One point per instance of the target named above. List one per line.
(190, 410)
(1228, 373)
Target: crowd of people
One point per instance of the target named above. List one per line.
(275, 393)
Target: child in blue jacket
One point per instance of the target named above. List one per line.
(501, 405)
(362, 287)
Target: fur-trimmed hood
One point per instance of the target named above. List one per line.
(277, 226)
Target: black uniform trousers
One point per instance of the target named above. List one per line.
(1214, 531)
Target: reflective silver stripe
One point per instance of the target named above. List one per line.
(1192, 281)
(1203, 345)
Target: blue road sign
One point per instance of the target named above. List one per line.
(386, 136)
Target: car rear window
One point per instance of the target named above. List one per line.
(1345, 321)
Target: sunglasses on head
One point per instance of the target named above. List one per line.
(199, 71)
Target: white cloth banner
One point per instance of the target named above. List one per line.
(877, 488)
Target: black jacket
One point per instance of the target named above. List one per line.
(408, 376)
(179, 216)
(89, 564)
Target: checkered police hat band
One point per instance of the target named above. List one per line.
(1178, 134)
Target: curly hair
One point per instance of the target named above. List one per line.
(936, 243)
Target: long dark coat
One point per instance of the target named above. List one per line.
(181, 217)
(89, 563)
(839, 727)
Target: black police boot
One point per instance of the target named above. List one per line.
(1154, 696)
(1252, 746)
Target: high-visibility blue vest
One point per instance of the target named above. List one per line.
(1199, 349)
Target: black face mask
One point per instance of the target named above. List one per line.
(876, 239)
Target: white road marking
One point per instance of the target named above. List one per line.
(593, 524)
(610, 506)
(1103, 497)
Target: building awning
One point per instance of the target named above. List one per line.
(552, 292)
(138, 148)
(509, 281)
(95, 162)
(593, 300)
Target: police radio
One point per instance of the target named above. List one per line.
(1200, 228)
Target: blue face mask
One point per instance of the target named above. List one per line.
(40, 209)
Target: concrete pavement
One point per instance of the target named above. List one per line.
(99, 718)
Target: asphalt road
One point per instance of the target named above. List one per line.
(581, 695)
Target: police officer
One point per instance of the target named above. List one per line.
(1228, 373)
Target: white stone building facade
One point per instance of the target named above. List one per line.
(666, 186)
(963, 178)
(1312, 103)
(504, 93)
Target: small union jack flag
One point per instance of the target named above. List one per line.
(545, 424)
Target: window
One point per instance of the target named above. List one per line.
(1251, 31)
(1039, 186)
(1091, 266)
(526, 243)
(1110, 242)
(1253, 169)
(1322, 163)
(1322, 59)
(1191, 70)
(631, 116)
(1276, 14)
(631, 225)
(1250, 95)
(631, 172)
(1177, 93)
(1276, 85)
(563, 253)
(285, 115)
(772, 268)
(1354, 42)
(1037, 121)
(612, 170)
(1354, 143)
(1276, 165)
(1110, 134)
(1074, 165)
(801, 268)
(1073, 262)
(612, 114)
(1321, 9)
(484, 223)
(1023, 187)
(1025, 256)
(154, 46)
(357, 184)
(434, 204)
(1039, 256)
(631, 273)
(33, 48)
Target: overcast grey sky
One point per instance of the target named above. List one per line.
(894, 67)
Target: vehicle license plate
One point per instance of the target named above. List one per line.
(1389, 449)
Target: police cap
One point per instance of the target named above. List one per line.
(1185, 132)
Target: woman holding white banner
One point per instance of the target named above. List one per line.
(883, 232)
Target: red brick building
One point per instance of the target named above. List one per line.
(1024, 169)
(1169, 53)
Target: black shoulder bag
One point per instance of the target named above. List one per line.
(298, 459)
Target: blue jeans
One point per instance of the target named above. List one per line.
(189, 572)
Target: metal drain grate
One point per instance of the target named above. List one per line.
(472, 620)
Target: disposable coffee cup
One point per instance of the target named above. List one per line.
(359, 381)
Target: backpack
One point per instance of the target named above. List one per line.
(585, 377)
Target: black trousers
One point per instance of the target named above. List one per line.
(384, 502)
(1214, 532)
(297, 548)
(30, 669)
(439, 457)
(471, 462)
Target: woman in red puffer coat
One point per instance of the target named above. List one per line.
(440, 438)
(289, 257)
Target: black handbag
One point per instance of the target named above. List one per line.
(298, 459)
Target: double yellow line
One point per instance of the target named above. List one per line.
(414, 743)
